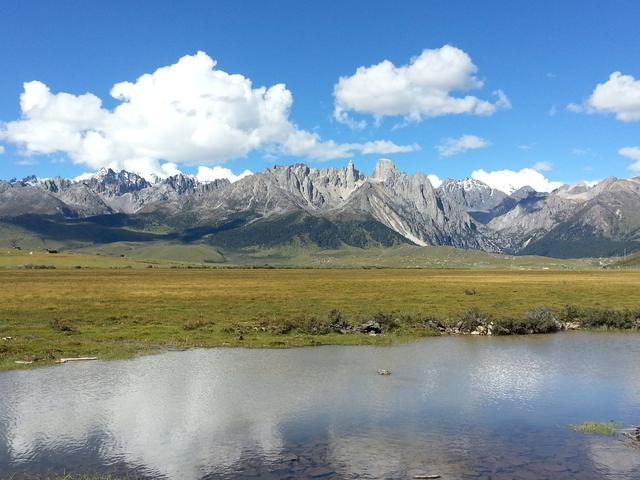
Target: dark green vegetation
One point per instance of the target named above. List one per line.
(233, 234)
(113, 307)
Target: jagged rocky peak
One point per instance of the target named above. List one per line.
(351, 173)
(56, 184)
(385, 169)
(28, 181)
(181, 182)
(107, 181)
(474, 195)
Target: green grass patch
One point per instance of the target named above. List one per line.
(597, 428)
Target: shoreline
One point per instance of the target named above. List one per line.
(47, 315)
(282, 335)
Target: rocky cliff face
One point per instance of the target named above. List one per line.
(465, 213)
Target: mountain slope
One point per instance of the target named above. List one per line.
(326, 208)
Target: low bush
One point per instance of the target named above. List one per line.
(471, 319)
(337, 322)
(601, 317)
(537, 320)
(388, 322)
(31, 266)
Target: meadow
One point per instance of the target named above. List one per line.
(117, 308)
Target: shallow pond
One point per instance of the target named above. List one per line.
(460, 407)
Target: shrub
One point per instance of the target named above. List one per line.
(312, 325)
(337, 322)
(387, 322)
(471, 319)
(570, 313)
(615, 319)
(537, 320)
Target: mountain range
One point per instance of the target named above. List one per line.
(324, 208)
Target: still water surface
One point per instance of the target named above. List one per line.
(464, 408)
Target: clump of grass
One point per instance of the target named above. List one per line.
(61, 326)
(597, 428)
(197, 324)
(89, 477)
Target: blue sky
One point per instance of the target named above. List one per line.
(543, 55)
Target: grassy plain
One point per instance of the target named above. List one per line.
(117, 307)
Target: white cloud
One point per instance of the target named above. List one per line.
(384, 147)
(582, 152)
(188, 113)
(634, 154)
(423, 88)
(206, 174)
(527, 146)
(542, 166)
(1, 149)
(26, 162)
(454, 146)
(620, 95)
(306, 144)
(553, 111)
(435, 180)
(509, 181)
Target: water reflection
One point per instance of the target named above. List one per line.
(464, 407)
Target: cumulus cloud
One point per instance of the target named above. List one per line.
(542, 166)
(509, 181)
(620, 96)
(385, 147)
(206, 174)
(306, 144)
(187, 113)
(435, 180)
(1, 149)
(454, 146)
(634, 154)
(422, 88)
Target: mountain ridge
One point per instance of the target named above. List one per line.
(335, 206)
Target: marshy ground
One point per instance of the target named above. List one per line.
(108, 310)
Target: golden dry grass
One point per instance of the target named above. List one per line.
(116, 313)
